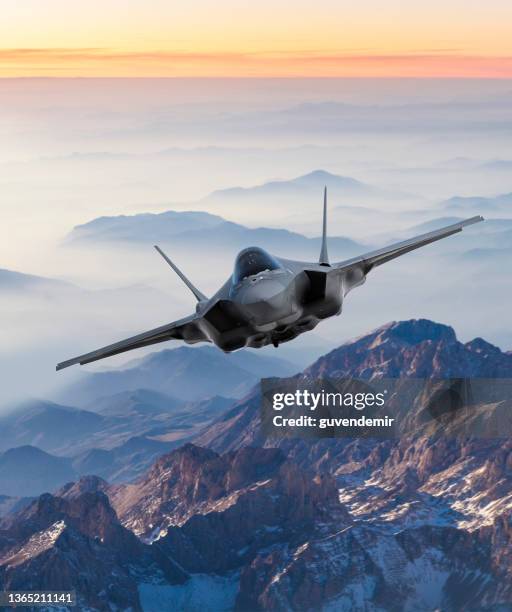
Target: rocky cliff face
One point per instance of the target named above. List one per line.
(210, 506)
(76, 542)
(416, 348)
(196, 512)
(417, 486)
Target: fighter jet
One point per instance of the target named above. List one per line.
(269, 299)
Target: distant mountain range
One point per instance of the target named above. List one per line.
(11, 280)
(191, 230)
(266, 204)
(477, 205)
(49, 444)
(128, 417)
(185, 373)
(162, 228)
(49, 426)
(309, 185)
(29, 471)
(145, 227)
(493, 235)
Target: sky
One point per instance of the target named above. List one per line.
(368, 38)
(73, 149)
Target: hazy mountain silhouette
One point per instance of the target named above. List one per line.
(29, 471)
(219, 235)
(11, 280)
(500, 204)
(306, 186)
(184, 373)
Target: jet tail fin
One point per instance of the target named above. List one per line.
(199, 296)
(324, 257)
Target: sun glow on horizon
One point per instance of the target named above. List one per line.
(155, 38)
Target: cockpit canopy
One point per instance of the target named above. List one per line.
(252, 261)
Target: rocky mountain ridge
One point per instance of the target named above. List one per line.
(416, 523)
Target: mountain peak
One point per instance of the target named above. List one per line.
(417, 348)
(415, 331)
(479, 345)
(320, 176)
(86, 484)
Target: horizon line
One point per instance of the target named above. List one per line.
(107, 63)
(397, 77)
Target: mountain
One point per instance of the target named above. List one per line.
(10, 505)
(491, 237)
(416, 348)
(137, 403)
(188, 374)
(76, 543)
(183, 231)
(478, 205)
(78, 531)
(192, 480)
(236, 521)
(309, 185)
(29, 471)
(155, 227)
(49, 426)
(124, 462)
(248, 530)
(18, 281)
(119, 441)
(297, 202)
(504, 165)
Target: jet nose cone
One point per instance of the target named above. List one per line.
(259, 290)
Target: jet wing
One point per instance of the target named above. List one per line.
(380, 256)
(186, 328)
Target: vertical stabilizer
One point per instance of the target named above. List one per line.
(324, 257)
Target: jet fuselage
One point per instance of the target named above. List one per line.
(271, 306)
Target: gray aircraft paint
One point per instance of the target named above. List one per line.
(274, 304)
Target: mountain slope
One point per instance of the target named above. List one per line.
(29, 471)
(179, 231)
(411, 523)
(497, 205)
(308, 185)
(76, 543)
(419, 348)
(19, 281)
(47, 425)
(118, 441)
(185, 373)
(144, 226)
(415, 348)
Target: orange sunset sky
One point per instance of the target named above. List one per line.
(364, 38)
